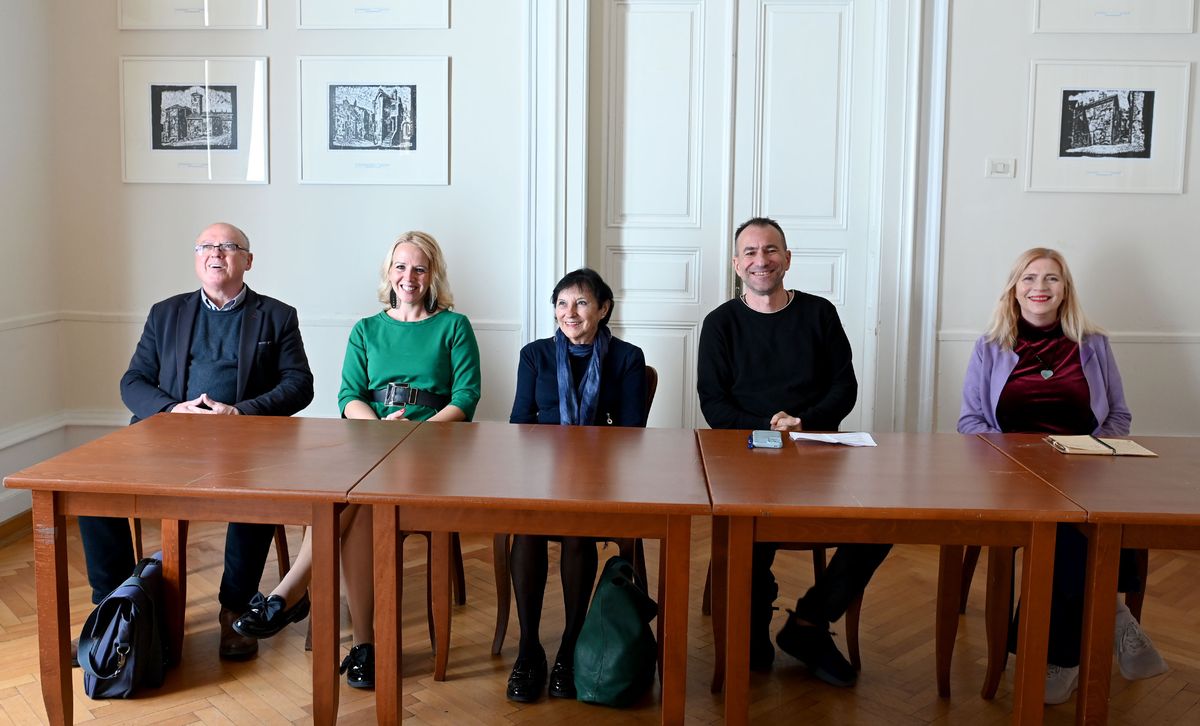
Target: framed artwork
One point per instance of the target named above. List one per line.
(191, 14)
(319, 14)
(1107, 126)
(194, 120)
(1114, 16)
(374, 120)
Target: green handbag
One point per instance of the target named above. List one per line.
(616, 653)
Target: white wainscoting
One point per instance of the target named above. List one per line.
(653, 274)
(803, 148)
(654, 71)
(670, 349)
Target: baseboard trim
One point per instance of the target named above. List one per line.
(16, 527)
(28, 430)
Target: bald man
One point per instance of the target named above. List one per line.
(221, 350)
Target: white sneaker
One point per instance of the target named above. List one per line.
(1136, 655)
(1060, 683)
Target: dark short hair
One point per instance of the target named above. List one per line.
(761, 222)
(589, 280)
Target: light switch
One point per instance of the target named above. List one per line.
(1000, 168)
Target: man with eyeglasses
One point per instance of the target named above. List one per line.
(221, 350)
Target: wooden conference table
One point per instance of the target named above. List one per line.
(1136, 502)
(529, 479)
(179, 467)
(913, 488)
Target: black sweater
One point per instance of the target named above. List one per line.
(752, 365)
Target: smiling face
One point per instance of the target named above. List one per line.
(409, 275)
(221, 273)
(761, 259)
(579, 315)
(1039, 292)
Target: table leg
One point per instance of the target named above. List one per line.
(737, 620)
(718, 592)
(1037, 573)
(174, 549)
(439, 583)
(53, 611)
(389, 596)
(1099, 615)
(949, 594)
(326, 611)
(676, 553)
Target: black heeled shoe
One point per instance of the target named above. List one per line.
(562, 681)
(267, 616)
(527, 680)
(359, 666)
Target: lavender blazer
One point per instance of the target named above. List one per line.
(991, 365)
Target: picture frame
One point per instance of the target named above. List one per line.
(1107, 126)
(325, 14)
(1114, 16)
(194, 120)
(191, 14)
(374, 120)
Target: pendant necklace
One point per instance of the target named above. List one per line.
(1046, 371)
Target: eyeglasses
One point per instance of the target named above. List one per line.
(224, 247)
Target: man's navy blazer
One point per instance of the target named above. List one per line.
(273, 378)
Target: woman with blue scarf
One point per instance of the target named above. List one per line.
(583, 376)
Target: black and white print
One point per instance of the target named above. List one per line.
(193, 117)
(1106, 123)
(373, 117)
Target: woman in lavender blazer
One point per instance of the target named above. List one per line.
(1043, 367)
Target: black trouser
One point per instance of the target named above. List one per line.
(1066, 598)
(108, 549)
(529, 563)
(827, 600)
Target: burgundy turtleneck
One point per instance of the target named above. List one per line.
(1034, 403)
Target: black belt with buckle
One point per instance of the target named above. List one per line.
(402, 394)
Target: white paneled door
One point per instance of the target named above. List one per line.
(704, 113)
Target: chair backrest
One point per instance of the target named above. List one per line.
(651, 387)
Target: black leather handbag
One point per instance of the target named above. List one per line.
(123, 646)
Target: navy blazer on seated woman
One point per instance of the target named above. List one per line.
(622, 395)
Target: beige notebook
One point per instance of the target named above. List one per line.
(1094, 445)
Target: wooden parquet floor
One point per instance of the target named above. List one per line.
(895, 687)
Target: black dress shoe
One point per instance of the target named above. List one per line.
(562, 681)
(813, 646)
(359, 666)
(267, 616)
(234, 645)
(527, 680)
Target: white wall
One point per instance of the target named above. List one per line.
(1134, 256)
(88, 254)
(28, 296)
(317, 247)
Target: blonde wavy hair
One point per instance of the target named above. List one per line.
(1003, 326)
(439, 296)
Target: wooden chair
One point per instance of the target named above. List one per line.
(998, 608)
(284, 561)
(281, 546)
(458, 583)
(630, 548)
(853, 612)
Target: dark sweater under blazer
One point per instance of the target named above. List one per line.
(273, 377)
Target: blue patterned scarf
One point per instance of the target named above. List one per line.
(579, 410)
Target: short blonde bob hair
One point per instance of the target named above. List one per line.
(439, 296)
(1003, 327)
